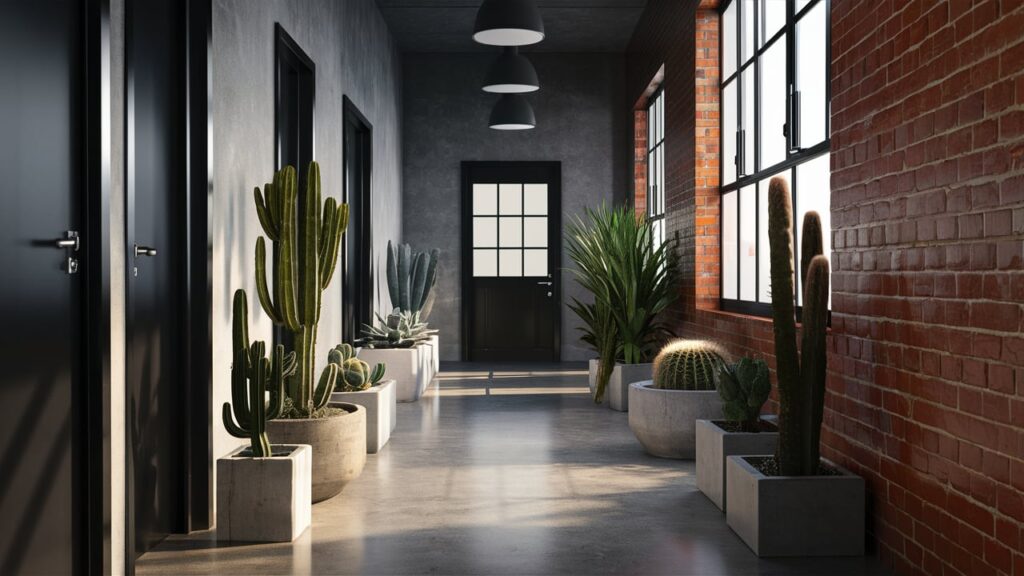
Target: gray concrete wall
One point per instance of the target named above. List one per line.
(355, 56)
(579, 122)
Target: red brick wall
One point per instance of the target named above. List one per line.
(706, 159)
(640, 159)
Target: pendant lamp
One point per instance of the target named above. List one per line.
(508, 23)
(511, 73)
(512, 112)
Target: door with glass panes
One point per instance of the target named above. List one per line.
(511, 254)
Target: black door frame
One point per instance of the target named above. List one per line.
(466, 248)
(197, 447)
(352, 317)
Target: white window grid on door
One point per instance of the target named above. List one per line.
(510, 230)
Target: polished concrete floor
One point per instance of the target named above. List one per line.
(505, 470)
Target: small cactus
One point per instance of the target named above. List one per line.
(687, 365)
(400, 329)
(354, 374)
(744, 388)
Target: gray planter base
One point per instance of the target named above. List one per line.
(664, 421)
(795, 515)
(412, 369)
(714, 445)
(618, 386)
(264, 499)
(381, 408)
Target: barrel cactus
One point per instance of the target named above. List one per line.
(411, 276)
(744, 388)
(687, 365)
(354, 374)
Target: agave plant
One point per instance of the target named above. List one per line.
(400, 329)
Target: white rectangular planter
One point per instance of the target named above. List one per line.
(264, 499)
(410, 368)
(435, 344)
(795, 515)
(714, 445)
(618, 386)
(380, 402)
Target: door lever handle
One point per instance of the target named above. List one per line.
(544, 283)
(69, 241)
(144, 251)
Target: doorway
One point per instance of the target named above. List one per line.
(511, 256)
(357, 266)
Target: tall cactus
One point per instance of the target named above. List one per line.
(801, 385)
(411, 276)
(251, 375)
(304, 260)
(687, 365)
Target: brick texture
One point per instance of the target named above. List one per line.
(640, 159)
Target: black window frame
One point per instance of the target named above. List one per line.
(795, 154)
(656, 170)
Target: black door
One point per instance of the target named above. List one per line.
(41, 119)
(357, 281)
(511, 253)
(155, 204)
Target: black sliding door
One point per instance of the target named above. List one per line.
(357, 280)
(511, 254)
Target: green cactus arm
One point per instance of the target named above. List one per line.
(261, 282)
(815, 357)
(334, 357)
(287, 273)
(257, 404)
(334, 233)
(326, 224)
(392, 274)
(418, 282)
(377, 374)
(272, 199)
(240, 321)
(325, 387)
(404, 274)
(275, 384)
(239, 398)
(229, 424)
(309, 278)
(430, 280)
(269, 227)
(810, 241)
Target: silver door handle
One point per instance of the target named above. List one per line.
(544, 283)
(70, 240)
(144, 251)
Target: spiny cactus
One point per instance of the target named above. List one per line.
(411, 276)
(744, 388)
(801, 383)
(399, 330)
(687, 365)
(251, 375)
(354, 374)
(304, 266)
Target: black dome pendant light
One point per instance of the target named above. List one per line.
(508, 23)
(511, 73)
(512, 112)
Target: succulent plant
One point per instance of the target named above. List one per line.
(252, 374)
(399, 330)
(304, 265)
(354, 374)
(744, 388)
(801, 379)
(411, 277)
(687, 365)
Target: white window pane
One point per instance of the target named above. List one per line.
(800, 5)
(750, 133)
(485, 262)
(729, 40)
(485, 232)
(747, 15)
(748, 244)
(764, 258)
(535, 232)
(774, 18)
(510, 199)
(652, 120)
(535, 262)
(511, 263)
(729, 234)
(729, 133)
(813, 192)
(661, 179)
(535, 199)
(811, 69)
(773, 104)
(510, 232)
(485, 198)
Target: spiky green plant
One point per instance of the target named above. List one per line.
(801, 380)
(304, 262)
(687, 365)
(399, 330)
(631, 280)
(744, 388)
(251, 375)
(354, 374)
(411, 277)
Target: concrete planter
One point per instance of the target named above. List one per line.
(795, 515)
(338, 443)
(411, 368)
(715, 444)
(264, 499)
(664, 421)
(380, 403)
(618, 386)
(435, 345)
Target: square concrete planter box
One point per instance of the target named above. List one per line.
(618, 385)
(795, 515)
(410, 368)
(264, 499)
(435, 345)
(380, 403)
(665, 421)
(715, 444)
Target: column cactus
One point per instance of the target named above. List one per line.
(411, 276)
(801, 380)
(305, 258)
(252, 374)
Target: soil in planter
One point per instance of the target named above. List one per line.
(288, 412)
(769, 466)
(733, 427)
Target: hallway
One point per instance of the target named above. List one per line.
(506, 471)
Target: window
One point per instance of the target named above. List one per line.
(656, 166)
(774, 98)
(510, 230)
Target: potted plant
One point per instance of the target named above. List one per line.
(264, 489)
(398, 342)
(411, 277)
(631, 280)
(304, 263)
(359, 384)
(744, 388)
(663, 411)
(796, 503)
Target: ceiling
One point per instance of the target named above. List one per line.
(569, 25)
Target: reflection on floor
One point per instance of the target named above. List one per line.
(506, 470)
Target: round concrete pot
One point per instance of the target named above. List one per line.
(338, 442)
(665, 421)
